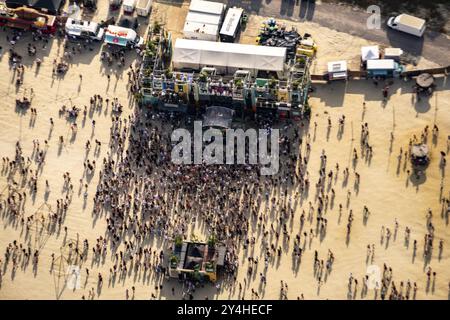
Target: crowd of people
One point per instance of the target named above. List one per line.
(142, 196)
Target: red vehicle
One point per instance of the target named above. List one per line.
(27, 19)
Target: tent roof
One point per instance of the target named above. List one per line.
(198, 52)
(370, 53)
(380, 64)
(419, 150)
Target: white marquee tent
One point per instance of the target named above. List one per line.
(197, 53)
(370, 53)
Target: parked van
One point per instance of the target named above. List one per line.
(408, 24)
(124, 37)
(82, 30)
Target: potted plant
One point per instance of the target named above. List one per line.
(209, 267)
(174, 261)
(212, 240)
(202, 77)
(272, 83)
(178, 241)
(156, 27)
(307, 110)
(168, 74)
(302, 61)
(138, 96)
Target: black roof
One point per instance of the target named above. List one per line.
(52, 6)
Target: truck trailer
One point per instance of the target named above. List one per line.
(143, 7)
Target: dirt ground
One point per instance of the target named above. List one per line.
(386, 188)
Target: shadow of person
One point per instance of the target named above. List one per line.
(423, 105)
(417, 178)
(287, 7)
(311, 8)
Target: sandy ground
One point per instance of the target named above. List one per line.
(385, 188)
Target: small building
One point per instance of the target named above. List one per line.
(337, 70)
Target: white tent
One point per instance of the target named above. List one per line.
(196, 54)
(370, 53)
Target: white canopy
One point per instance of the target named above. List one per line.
(370, 53)
(197, 53)
(381, 64)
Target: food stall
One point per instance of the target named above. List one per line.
(425, 83)
(337, 70)
(420, 155)
(27, 19)
(123, 37)
(369, 53)
(393, 53)
(385, 68)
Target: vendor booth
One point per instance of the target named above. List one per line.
(420, 155)
(337, 70)
(370, 53)
(123, 37)
(425, 83)
(385, 68)
(393, 53)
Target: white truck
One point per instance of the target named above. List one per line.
(143, 7)
(128, 6)
(407, 23)
(83, 30)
